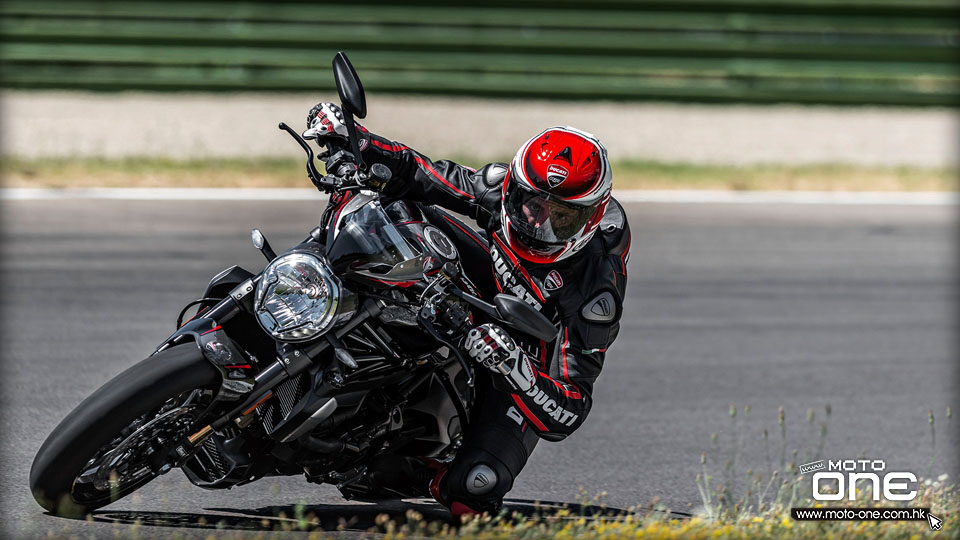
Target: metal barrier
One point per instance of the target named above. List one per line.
(897, 52)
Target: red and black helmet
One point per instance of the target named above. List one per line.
(555, 194)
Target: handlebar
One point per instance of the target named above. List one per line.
(431, 297)
(347, 175)
(426, 316)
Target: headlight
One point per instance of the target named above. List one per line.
(297, 297)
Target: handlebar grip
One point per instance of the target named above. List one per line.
(333, 144)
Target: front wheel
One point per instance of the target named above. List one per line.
(117, 439)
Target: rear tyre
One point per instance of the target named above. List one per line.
(119, 419)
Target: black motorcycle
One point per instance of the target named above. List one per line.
(340, 356)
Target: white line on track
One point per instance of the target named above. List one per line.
(791, 197)
(163, 194)
(665, 196)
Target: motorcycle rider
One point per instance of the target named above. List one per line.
(551, 235)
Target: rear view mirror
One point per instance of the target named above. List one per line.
(348, 86)
(524, 317)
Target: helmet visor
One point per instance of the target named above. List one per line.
(545, 218)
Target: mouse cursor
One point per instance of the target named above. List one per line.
(934, 521)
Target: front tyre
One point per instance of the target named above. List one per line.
(114, 441)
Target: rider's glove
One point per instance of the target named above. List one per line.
(495, 349)
(325, 120)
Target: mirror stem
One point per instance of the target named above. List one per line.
(354, 138)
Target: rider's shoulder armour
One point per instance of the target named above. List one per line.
(490, 199)
(493, 174)
(614, 229)
(598, 301)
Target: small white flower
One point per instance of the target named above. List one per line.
(943, 477)
(927, 482)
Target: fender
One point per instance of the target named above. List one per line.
(234, 365)
(235, 285)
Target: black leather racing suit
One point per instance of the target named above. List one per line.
(582, 294)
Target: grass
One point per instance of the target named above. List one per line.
(752, 504)
(822, 177)
(774, 523)
(734, 505)
(283, 172)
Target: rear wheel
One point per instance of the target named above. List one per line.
(117, 439)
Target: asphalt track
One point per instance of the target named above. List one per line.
(766, 305)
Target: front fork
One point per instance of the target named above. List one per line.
(250, 392)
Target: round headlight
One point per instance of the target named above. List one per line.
(297, 297)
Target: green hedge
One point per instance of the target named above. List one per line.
(898, 52)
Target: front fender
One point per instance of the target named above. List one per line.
(234, 365)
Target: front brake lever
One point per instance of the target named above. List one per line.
(312, 172)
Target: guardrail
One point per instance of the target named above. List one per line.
(897, 52)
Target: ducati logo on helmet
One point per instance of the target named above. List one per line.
(556, 175)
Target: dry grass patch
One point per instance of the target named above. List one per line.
(281, 173)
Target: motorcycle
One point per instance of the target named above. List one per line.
(341, 355)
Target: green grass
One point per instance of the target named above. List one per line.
(821, 177)
(152, 172)
(283, 172)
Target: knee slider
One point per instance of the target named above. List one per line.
(479, 480)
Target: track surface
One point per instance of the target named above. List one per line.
(793, 306)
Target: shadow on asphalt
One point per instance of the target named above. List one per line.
(343, 517)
